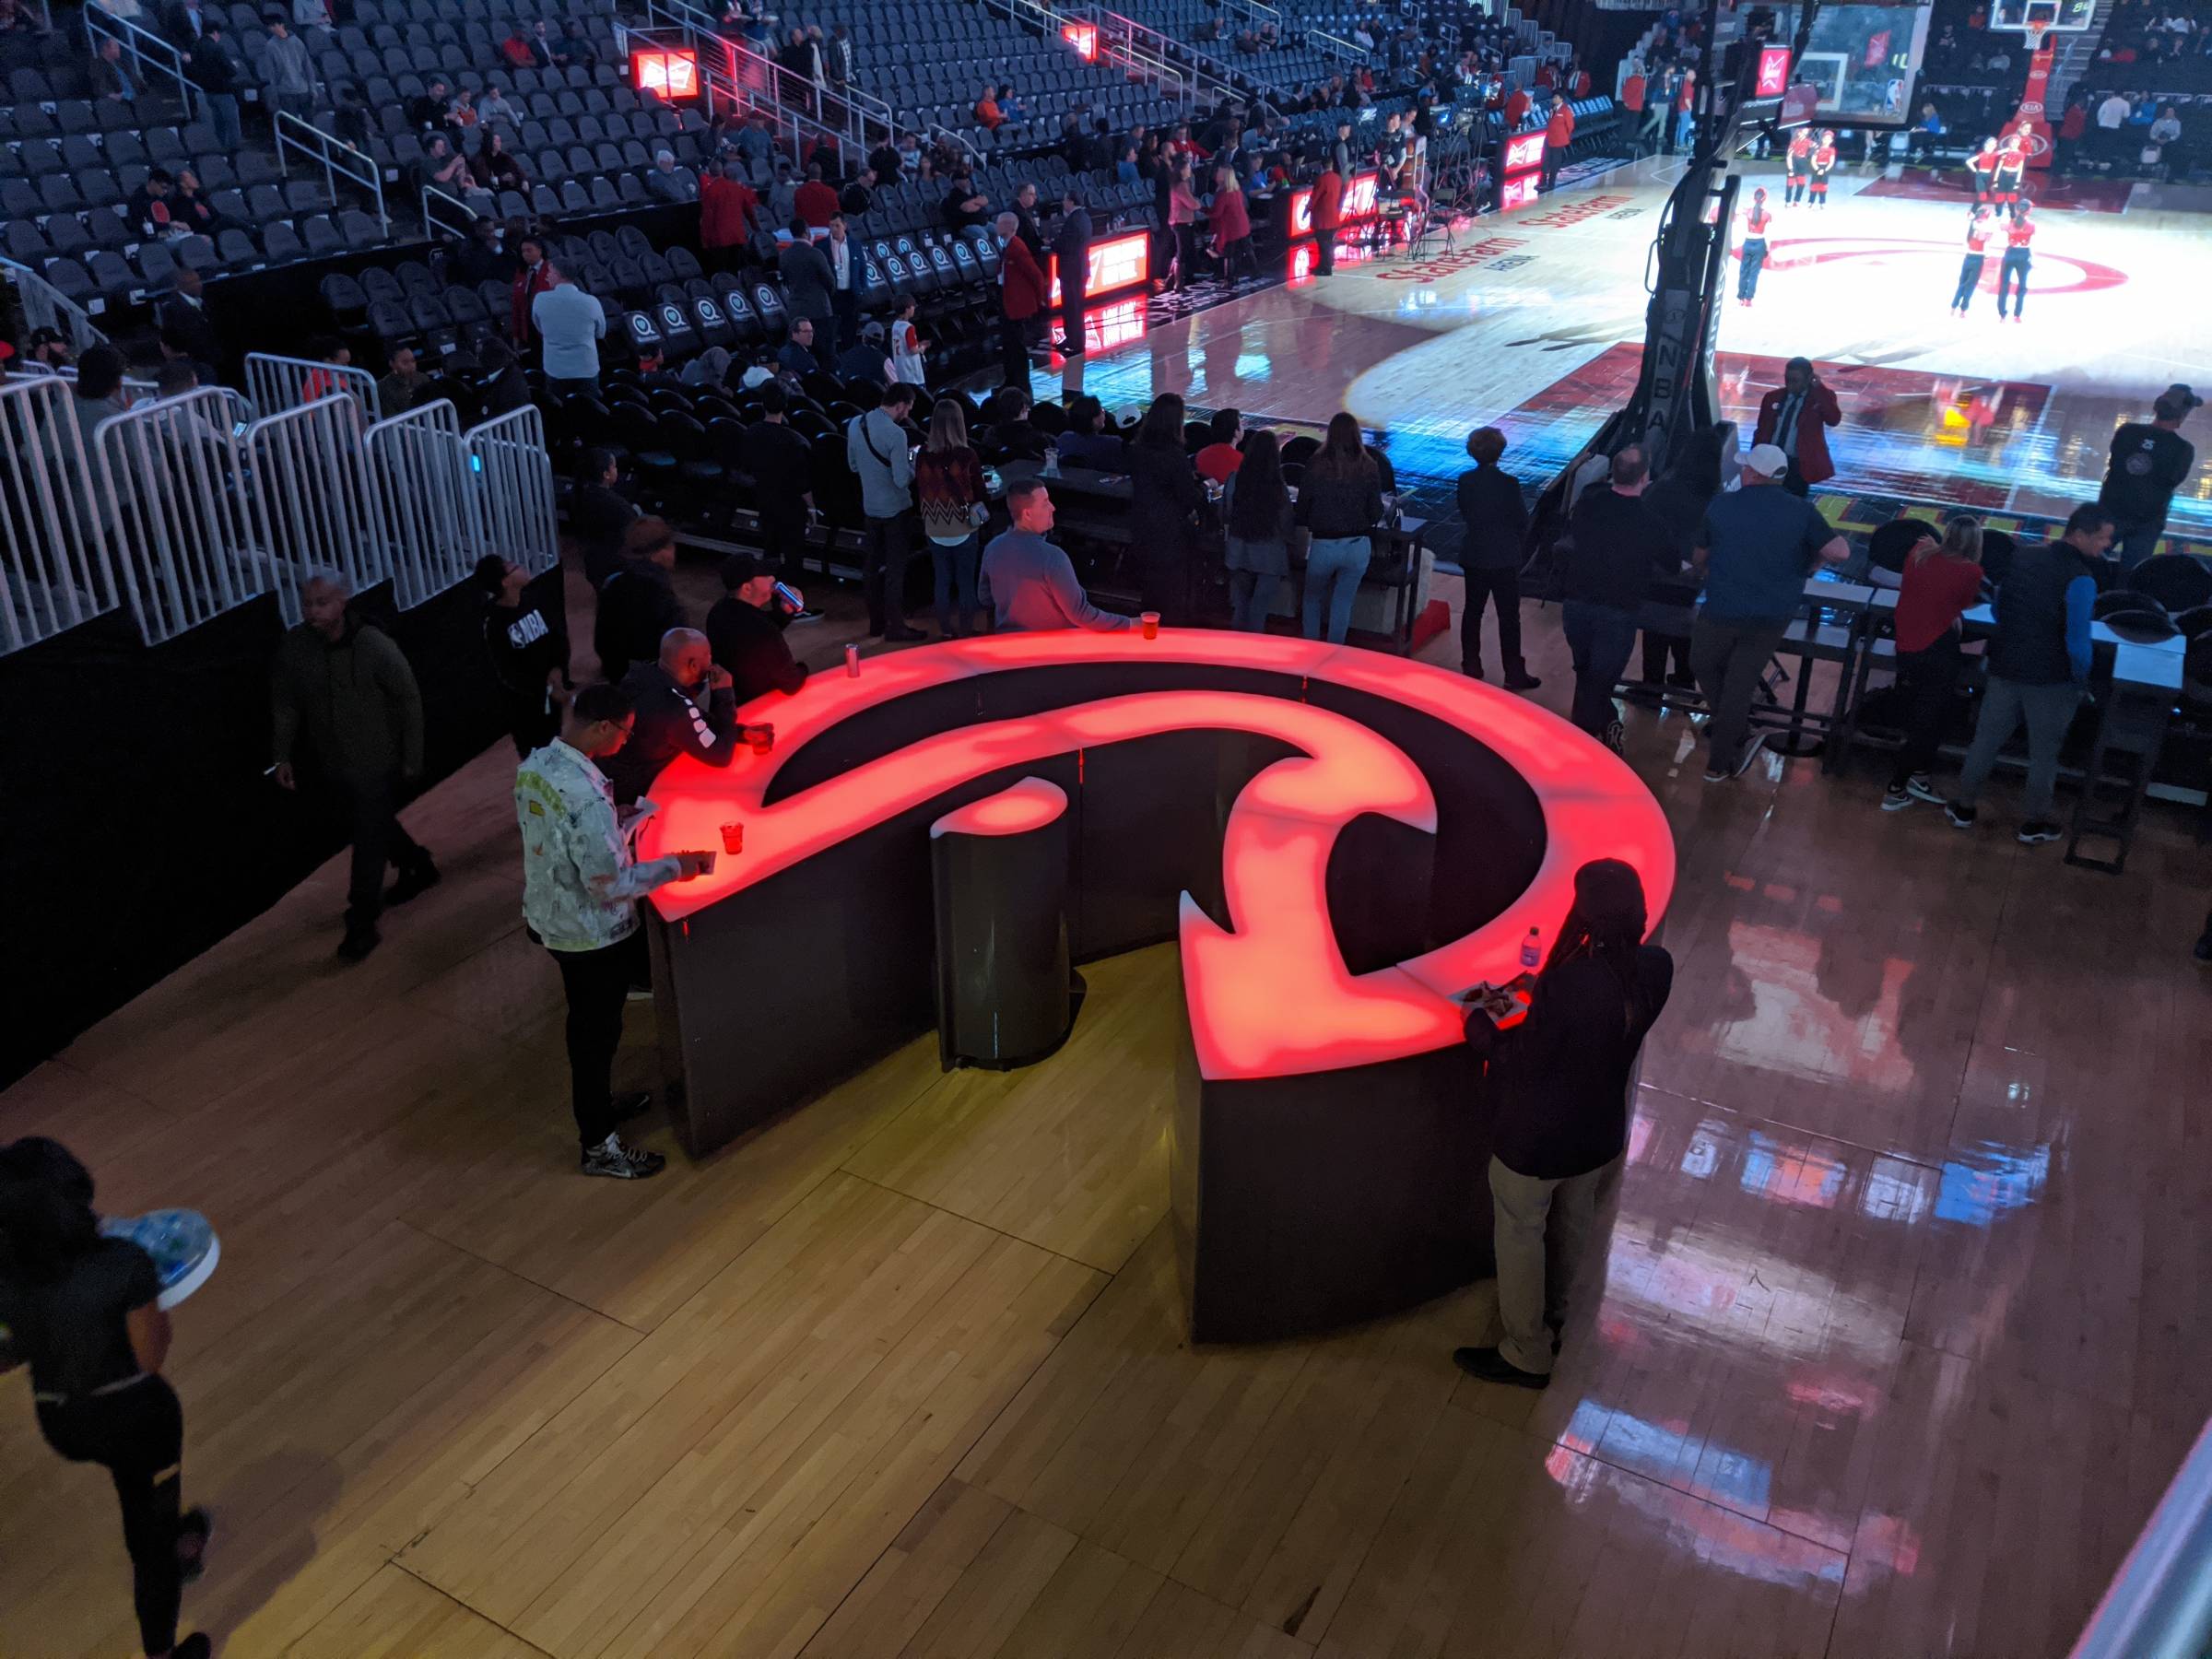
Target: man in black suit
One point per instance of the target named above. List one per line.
(1070, 247)
(806, 291)
(186, 330)
(1495, 520)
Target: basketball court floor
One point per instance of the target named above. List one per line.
(1533, 322)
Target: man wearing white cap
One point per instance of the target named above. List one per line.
(1755, 549)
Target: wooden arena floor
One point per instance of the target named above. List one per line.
(1905, 1327)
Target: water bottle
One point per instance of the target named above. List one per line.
(1532, 953)
(1051, 461)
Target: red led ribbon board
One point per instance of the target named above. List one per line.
(1116, 263)
(1524, 153)
(673, 73)
(1084, 38)
(1357, 207)
(1342, 844)
(1773, 72)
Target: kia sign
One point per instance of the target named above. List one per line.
(1773, 71)
(671, 72)
(1116, 263)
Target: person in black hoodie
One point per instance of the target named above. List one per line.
(1678, 501)
(1489, 556)
(637, 604)
(745, 631)
(599, 515)
(685, 706)
(1561, 1079)
(1613, 546)
(527, 641)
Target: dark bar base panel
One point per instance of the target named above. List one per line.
(1301, 1201)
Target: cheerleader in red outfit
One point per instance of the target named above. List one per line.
(1978, 232)
(2014, 270)
(2012, 161)
(1795, 161)
(1754, 250)
(1824, 163)
(1982, 168)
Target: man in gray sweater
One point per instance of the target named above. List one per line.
(287, 69)
(1028, 582)
(346, 685)
(876, 448)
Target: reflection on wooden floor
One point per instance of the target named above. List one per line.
(1902, 1335)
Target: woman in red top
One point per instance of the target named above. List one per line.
(1940, 581)
(1823, 163)
(1794, 161)
(1231, 224)
(1754, 253)
(2012, 161)
(1978, 230)
(2012, 274)
(1982, 168)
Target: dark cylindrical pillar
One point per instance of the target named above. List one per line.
(999, 868)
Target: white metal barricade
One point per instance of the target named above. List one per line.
(419, 466)
(178, 512)
(277, 383)
(57, 570)
(312, 497)
(511, 500)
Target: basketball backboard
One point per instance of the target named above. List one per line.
(2039, 16)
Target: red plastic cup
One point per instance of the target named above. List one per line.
(732, 838)
(761, 737)
(1150, 621)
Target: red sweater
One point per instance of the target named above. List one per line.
(816, 203)
(1021, 281)
(1936, 590)
(1227, 216)
(1328, 199)
(725, 210)
(1559, 129)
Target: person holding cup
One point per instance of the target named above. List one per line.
(686, 703)
(581, 884)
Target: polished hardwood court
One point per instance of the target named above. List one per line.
(1904, 1324)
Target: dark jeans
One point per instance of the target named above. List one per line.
(1970, 279)
(137, 1435)
(883, 573)
(1600, 636)
(1251, 596)
(532, 723)
(571, 388)
(596, 983)
(2049, 713)
(372, 811)
(1728, 658)
(1185, 241)
(1657, 649)
(222, 114)
(1925, 682)
(956, 565)
(1325, 251)
(1502, 588)
(783, 544)
(1072, 302)
(826, 342)
(2135, 540)
(1014, 349)
(2012, 271)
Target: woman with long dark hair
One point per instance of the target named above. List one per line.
(1560, 1082)
(83, 1311)
(948, 488)
(1257, 548)
(1165, 499)
(1340, 502)
(1941, 579)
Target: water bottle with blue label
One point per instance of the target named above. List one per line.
(182, 1245)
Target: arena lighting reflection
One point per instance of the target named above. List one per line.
(1269, 995)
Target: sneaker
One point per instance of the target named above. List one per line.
(1718, 774)
(1752, 746)
(1961, 817)
(1920, 789)
(194, 1646)
(196, 1527)
(806, 615)
(1520, 679)
(2040, 829)
(358, 942)
(1616, 738)
(1491, 1366)
(1896, 798)
(413, 882)
(618, 1162)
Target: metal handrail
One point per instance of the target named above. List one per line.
(1336, 46)
(339, 160)
(1203, 67)
(45, 306)
(958, 142)
(462, 215)
(847, 113)
(141, 44)
(2159, 1605)
(1052, 24)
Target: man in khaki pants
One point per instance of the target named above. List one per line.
(1561, 1079)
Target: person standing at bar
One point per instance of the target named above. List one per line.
(1615, 544)
(1495, 523)
(1940, 581)
(581, 886)
(1561, 1079)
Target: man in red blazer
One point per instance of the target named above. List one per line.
(1795, 417)
(1021, 296)
(1328, 213)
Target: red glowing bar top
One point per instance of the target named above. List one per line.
(1269, 995)
(1030, 805)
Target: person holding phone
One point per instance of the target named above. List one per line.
(83, 1311)
(581, 884)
